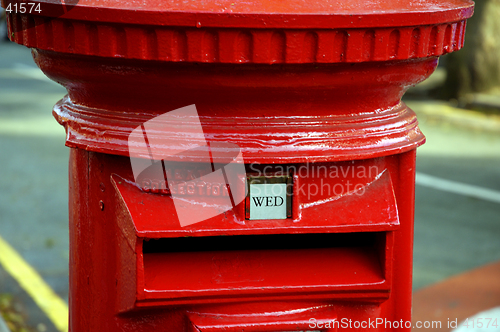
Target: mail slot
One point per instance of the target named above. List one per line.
(240, 165)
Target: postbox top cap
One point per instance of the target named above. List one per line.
(253, 31)
(271, 14)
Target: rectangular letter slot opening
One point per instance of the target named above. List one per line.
(177, 270)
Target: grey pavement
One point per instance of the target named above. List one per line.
(453, 233)
(33, 188)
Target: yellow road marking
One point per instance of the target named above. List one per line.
(53, 306)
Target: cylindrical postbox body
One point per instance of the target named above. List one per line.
(240, 165)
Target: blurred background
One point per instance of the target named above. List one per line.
(457, 220)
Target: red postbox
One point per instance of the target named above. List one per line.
(240, 166)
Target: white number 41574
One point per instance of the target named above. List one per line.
(480, 322)
(23, 8)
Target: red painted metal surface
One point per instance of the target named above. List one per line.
(299, 84)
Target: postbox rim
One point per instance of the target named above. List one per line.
(298, 14)
(264, 33)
